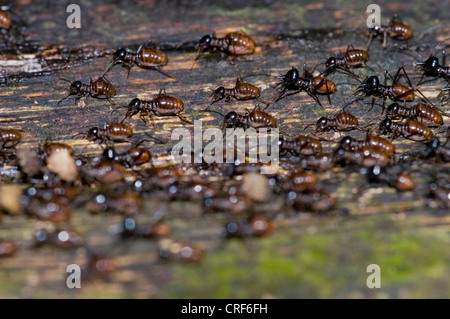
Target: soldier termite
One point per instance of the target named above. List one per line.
(371, 86)
(114, 132)
(352, 58)
(432, 68)
(312, 85)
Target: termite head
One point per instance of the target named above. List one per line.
(218, 94)
(430, 64)
(135, 105)
(230, 119)
(331, 62)
(385, 126)
(370, 84)
(75, 88)
(291, 77)
(322, 124)
(119, 56)
(205, 42)
(92, 134)
(392, 109)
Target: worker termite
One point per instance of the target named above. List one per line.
(422, 113)
(314, 200)
(130, 229)
(256, 226)
(114, 132)
(410, 129)
(144, 57)
(301, 145)
(312, 85)
(343, 121)
(7, 248)
(234, 43)
(441, 191)
(439, 150)
(5, 21)
(350, 144)
(371, 86)
(134, 156)
(99, 89)
(352, 58)
(179, 251)
(161, 105)
(242, 91)
(106, 172)
(431, 67)
(61, 238)
(50, 211)
(299, 181)
(9, 138)
(127, 203)
(251, 119)
(402, 181)
(366, 156)
(396, 29)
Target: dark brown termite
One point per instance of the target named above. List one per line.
(130, 229)
(401, 181)
(60, 238)
(420, 112)
(50, 211)
(396, 29)
(234, 43)
(99, 89)
(106, 172)
(343, 121)
(114, 132)
(299, 181)
(179, 251)
(312, 85)
(145, 57)
(371, 86)
(432, 68)
(256, 226)
(242, 91)
(439, 150)
(127, 203)
(301, 145)
(352, 58)
(314, 200)
(134, 156)
(410, 129)
(251, 119)
(366, 156)
(161, 105)
(7, 248)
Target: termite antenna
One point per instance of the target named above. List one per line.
(196, 58)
